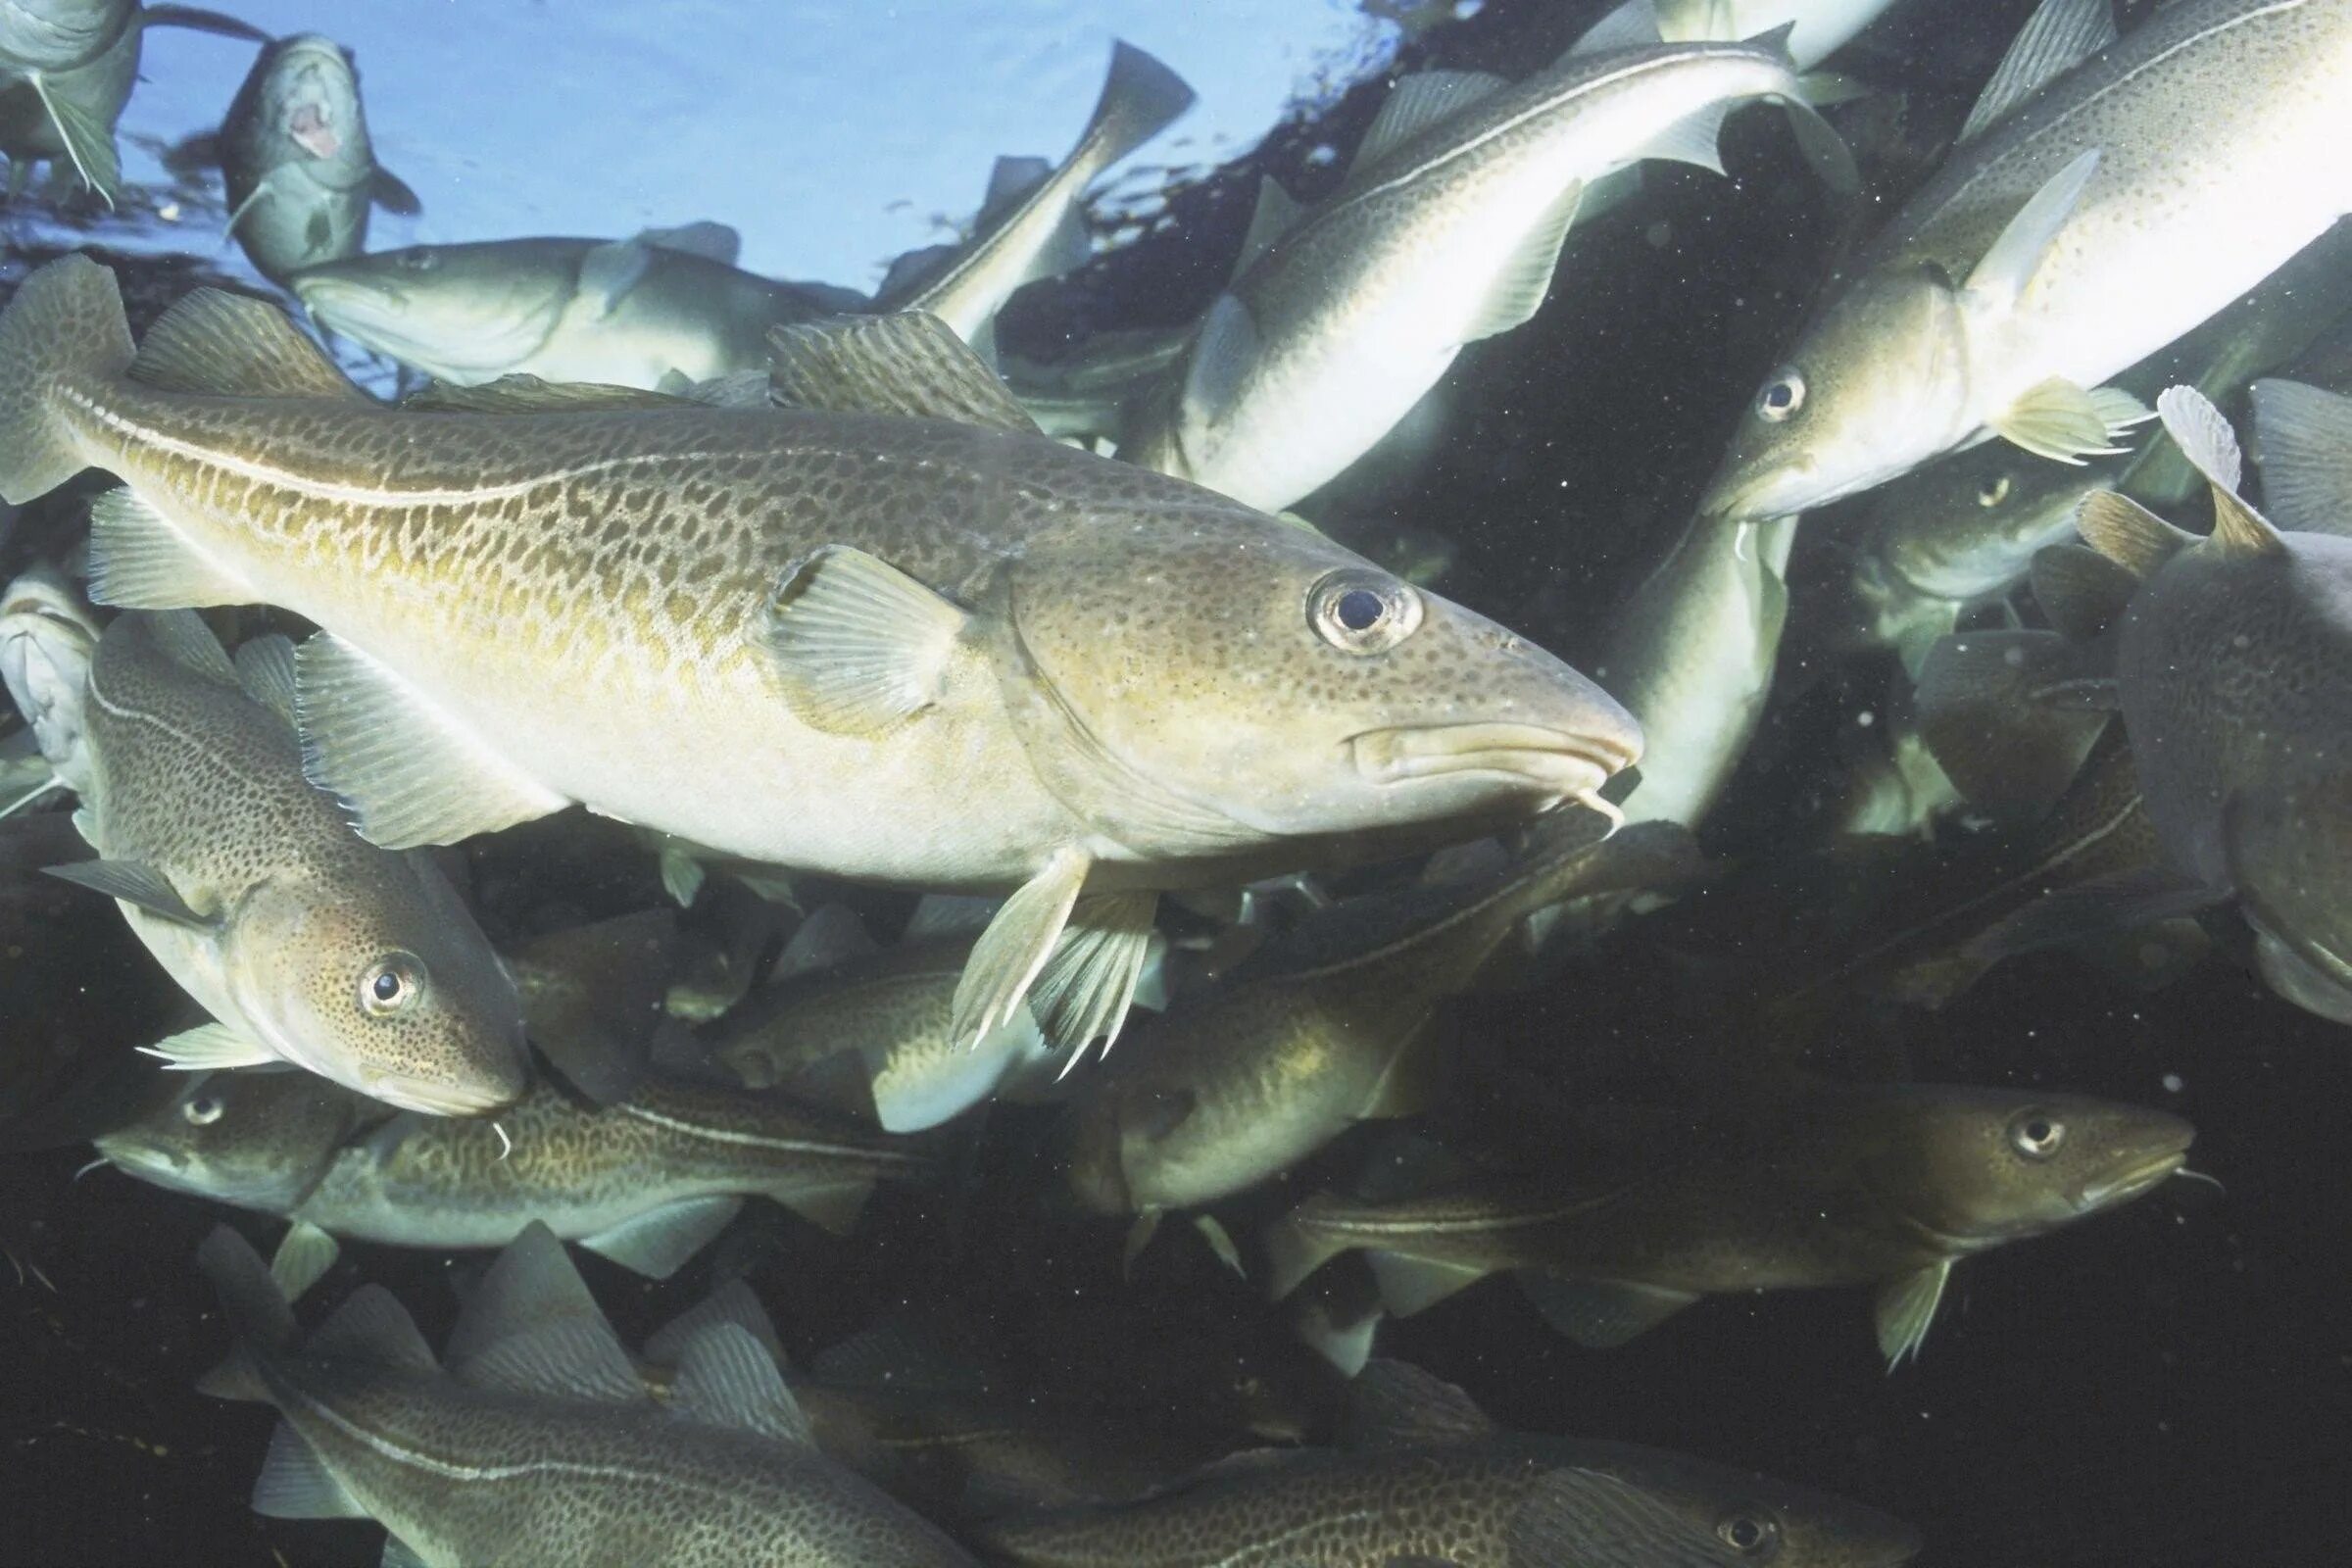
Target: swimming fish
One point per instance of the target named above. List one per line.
(1426, 1477)
(666, 303)
(47, 640)
(1241, 1080)
(2105, 198)
(1032, 224)
(533, 1441)
(296, 158)
(307, 944)
(1448, 230)
(894, 648)
(67, 67)
(2232, 668)
(1883, 1186)
(647, 1182)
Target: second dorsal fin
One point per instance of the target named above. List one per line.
(231, 345)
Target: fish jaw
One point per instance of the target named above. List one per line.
(1551, 764)
(438, 327)
(2131, 1182)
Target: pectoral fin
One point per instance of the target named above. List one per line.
(1011, 952)
(860, 645)
(210, 1048)
(2001, 274)
(89, 139)
(1906, 1307)
(392, 193)
(1083, 991)
(2060, 421)
(610, 270)
(304, 1255)
(135, 882)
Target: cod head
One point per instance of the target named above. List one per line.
(1191, 683)
(1876, 386)
(396, 994)
(258, 1139)
(47, 639)
(1984, 1167)
(310, 101)
(462, 314)
(1690, 1510)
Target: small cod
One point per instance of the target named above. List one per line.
(307, 944)
(924, 651)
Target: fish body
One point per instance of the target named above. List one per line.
(1818, 28)
(645, 1181)
(1447, 231)
(1035, 227)
(1436, 1481)
(47, 640)
(306, 943)
(1693, 652)
(1238, 1082)
(2068, 239)
(1887, 1187)
(537, 1444)
(296, 158)
(828, 629)
(619, 313)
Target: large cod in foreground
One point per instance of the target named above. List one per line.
(914, 650)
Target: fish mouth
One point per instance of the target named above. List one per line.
(313, 131)
(1553, 763)
(435, 1099)
(1753, 496)
(2132, 1182)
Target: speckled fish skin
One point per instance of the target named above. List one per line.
(196, 779)
(1467, 1504)
(2218, 124)
(1239, 1082)
(458, 1184)
(1139, 679)
(258, 1139)
(472, 312)
(464, 1473)
(298, 127)
(1358, 309)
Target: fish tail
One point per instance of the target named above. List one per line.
(1140, 99)
(257, 1311)
(64, 327)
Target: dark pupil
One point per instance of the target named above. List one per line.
(1359, 609)
(2037, 1132)
(1745, 1533)
(387, 986)
(1778, 395)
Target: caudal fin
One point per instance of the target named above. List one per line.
(64, 327)
(257, 1311)
(1141, 98)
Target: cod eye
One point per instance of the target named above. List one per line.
(2036, 1134)
(391, 985)
(1362, 611)
(1782, 396)
(1993, 492)
(421, 259)
(203, 1110)
(1749, 1531)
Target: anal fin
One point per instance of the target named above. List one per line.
(408, 774)
(1410, 1284)
(295, 1482)
(1525, 278)
(657, 1243)
(139, 562)
(1601, 1314)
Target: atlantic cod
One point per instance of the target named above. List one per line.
(1889, 1187)
(296, 161)
(1424, 1477)
(665, 304)
(47, 640)
(2105, 198)
(904, 649)
(307, 944)
(532, 1442)
(1448, 230)
(1032, 224)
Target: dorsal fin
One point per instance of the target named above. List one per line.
(1276, 210)
(1631, 25)
(2060, 35)
(727, 1379)
(712, 241)
(2082, 592)
(1414, 105)
(731, 1302)
(1010, 184)
(266, 670)
(830, 937)
(2129, 533)
(897, 1354)
(531, 1327)
(373, 1326)
(2205, 438)
(908, 362)
(233, 345)
(1391, 1405)
(181, 636)
(528, 394)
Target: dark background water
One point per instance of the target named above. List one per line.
(2168, 1384)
